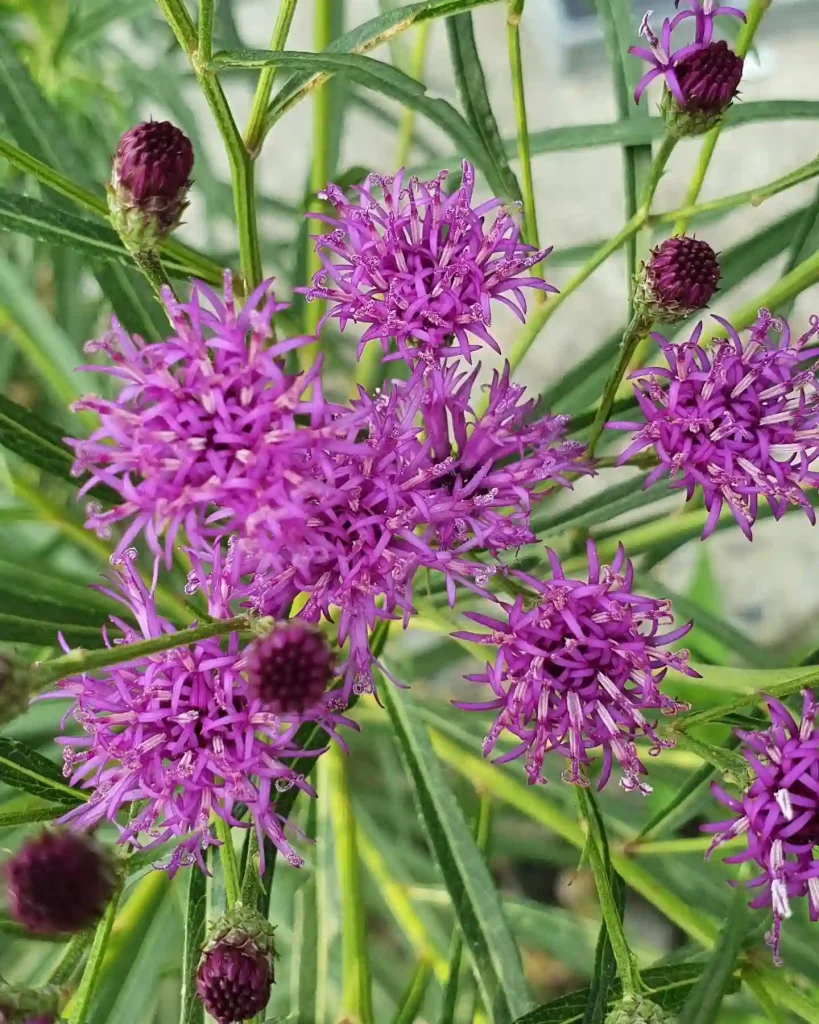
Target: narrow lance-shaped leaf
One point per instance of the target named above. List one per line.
(494, 954)
(705, 999)
(192, 1010)
(669, 987)
(381, 78)
(22, 767)
(472, 89)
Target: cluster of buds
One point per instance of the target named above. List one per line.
(636, 1009)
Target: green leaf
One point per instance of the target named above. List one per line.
(669, 987)
(494, 954)
(55, 589)
(413, 998)
(381, 78)
(29, 117)
(39, 622)
(29, 812)
(635, 132)
(599, 508)
(469, 77)
(36, 335)
(41, 444)
(49, 222)
(705, 999)
(365, 37)
(356, 993)
(22, 767)
(304, 980)
(685, 804)
(193, 1011)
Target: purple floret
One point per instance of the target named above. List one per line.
(420, 267)
(778, 814)
(182, 731)
(203, 419)
(578, 669)
(740, 422)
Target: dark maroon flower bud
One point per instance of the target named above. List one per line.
(709, 79)
(15, 688)
(680, 277)
(236, 970)
(288, 668)
(150, 179)
(59, 882)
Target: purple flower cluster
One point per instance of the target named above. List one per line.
(701, 76)
(576, 669)
(183, 730)
(421, 267)
(778, 814)
(203, 420)
(303, 513)
(740, 423)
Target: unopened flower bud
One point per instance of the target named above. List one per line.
(150, 179)
(636, 1009)
(236, 970)
(15, 688)
(680, 277)
(20, 1005)
(709, 79)
(288, 669)
(59, 882)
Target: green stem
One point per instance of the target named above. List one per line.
(319, 173)
(513, 17)
(356, 995)
(416, 71)
(540, 314)
(79, 660)
(205, 31)
(634, 332)
(450, 1001)
(77, 1009)
(777, 690)
(753, 16)
(227, 855)
(241, 166)
(626, 966)
(754, 196)
(151, 266)
(71, 958)
(254, 133)
(656, 171)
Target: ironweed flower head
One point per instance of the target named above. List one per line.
(182, 731)
(701, 78)
(409, 478)
(778, 814)
(704, 12)
(289, 668)
(577, 666)
(202, 421)
(59, 882)
(680, 277)
(662, 58)
(235, 973)
(740, 422)
(421, 267)
(150, 179)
